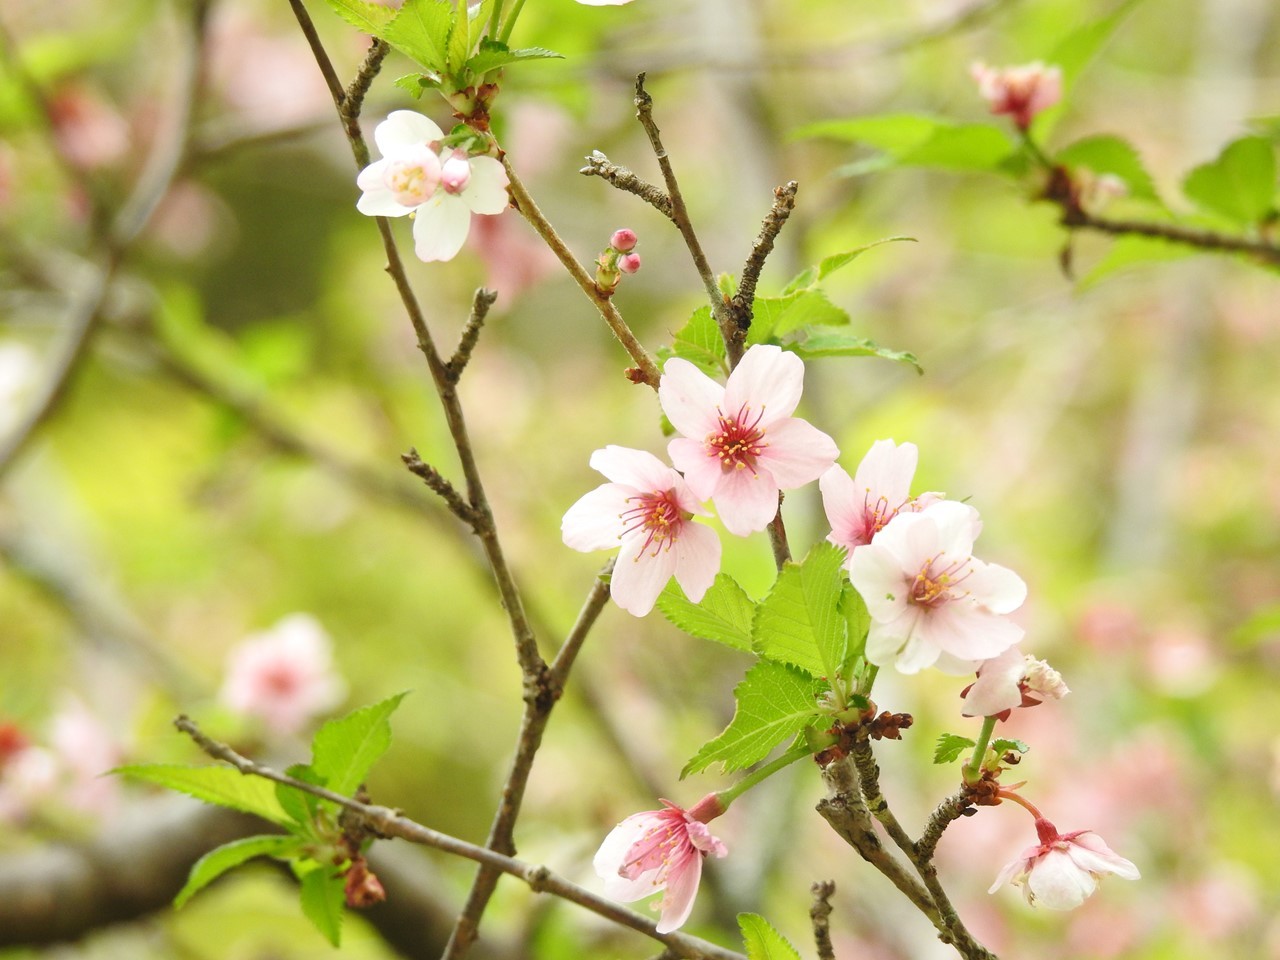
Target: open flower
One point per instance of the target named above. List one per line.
(1013, 679)
(931, 601)
(648, 510)
(741, 445)
(439, 190)
(1022, 92)
(660, 850)
(1063, 869)
(858, 507)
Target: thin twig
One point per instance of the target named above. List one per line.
(820, 917)
(598, 165)
(480, 305)
(869, 780)
(385, 822)
(946, 812)
(1074, 218)
(740, 307)
(353, 96)
(445, 490)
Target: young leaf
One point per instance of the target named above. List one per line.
(829, 265)
(1003, 746)
(322, 901)
(345, 749)
(298, 803)
(1113, 155)
(699, 342)
(223, 786)
(415, 83)
(950, 746)
(493, 54)
(369, 17)
(218, 861)
(799, 621)
(762, 942)
(893, 133)
(458, 45)
(421, 31)
(775, 317)
(966, 146)
(724, 615)
(857, 619)
(775, 702)
(1240, 184)
(828, 342)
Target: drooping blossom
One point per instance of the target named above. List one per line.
(284, 676)
(1021, 92)
(648, 510)
(1013, 679)
(660, 850)
(858, 507)
(740, 444)
(931, 601)
(1063, 869)
(440, 189)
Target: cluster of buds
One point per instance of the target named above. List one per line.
(619, 258)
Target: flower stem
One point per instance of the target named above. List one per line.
(869, 680)
(798, 752)
(495, 18)
(973, 769)
(511, 21)
(1022, 802)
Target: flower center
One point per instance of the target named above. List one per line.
(280, 680)
(658, 516)
(933, 588)
(413, 178)
(739, 442)
(877, 513)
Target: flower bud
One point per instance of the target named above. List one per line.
(629, 262)
(455, 173)
(623, 240)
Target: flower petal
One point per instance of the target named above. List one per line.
(690, 399)
(878, 576)
(639, 576)
(486, 192)
(1058, 883)
(697, 559)
(595, 522)
(702, 471)
(682, 886)
(797, 453)
(887, 471)
(404, 128)
(997, 588)
(613, 853)
(635, 468)
(842, 503)
(965, 630)
(769, 380)
(1091, 852)
(440, 228)
(746, 502)
(996, 688)
(377, 199)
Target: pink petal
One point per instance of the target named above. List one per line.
(1010, 871)
(878, 576)
(702, 471)
(797, 453)
(613, 853)
(595, 522)
(769, 380)
(377, 199)
(487, 190)
(967, 631)
(996, 688)
(842, 503)
(746, 502)
(690, 399)
(639, 577)
(404, 128)
(997, 588)
(635, 468)
(887, 471)
(682, 886)
(697, 559)
(440, 228)
(1058, 883)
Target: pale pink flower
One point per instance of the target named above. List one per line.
(284, 676)
(1013, 679)
(648, 510)
(86, 751)
(931, 601)
(28, 774)
(858, 507)
(439, 190)
(660, 850)
(1022, 92)
(1063, 869)
(741, 445)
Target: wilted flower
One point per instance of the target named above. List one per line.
(1063, 869)
(660, 850)
(1022, 92)
(1013, 679)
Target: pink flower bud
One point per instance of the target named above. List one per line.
(1022, 92)
(455, 173)
(623, 240)
(629, 262)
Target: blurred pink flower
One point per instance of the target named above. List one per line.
(86, 751)
(741, 445)
(439, 190)
(1063, 869)
(1013, 679)
(660, 850)
(931, 601)
(284, 676)
(89, 131)
(648, 510)
(1022, 92)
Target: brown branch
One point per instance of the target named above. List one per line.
(1075, 218)
(480, 305)
(445, 490)
(869, 781)
(947, 812)
(820, 917)
(598, 165)
(784, 201)
(385, 822)
(353, 96)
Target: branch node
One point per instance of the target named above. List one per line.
(429, 475)
(618, 176)
(740, 307)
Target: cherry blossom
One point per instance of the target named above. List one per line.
(1022, 92)
(858, 507)
(86, 750)
(740, 444)
(28, 774)
(440, 190)
(1013, 679)
(931, 601)
(1063, 869)
(284, 676)
(648, 510)
(660, 850)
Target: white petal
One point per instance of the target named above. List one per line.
(746, 502)
(917, 654)
(996, 688)
(1058, 883)
(797, 453)
(638, 577)
(997, 588)
(613, 852)
(595, 521)
(635, 468)
(954, 522)
(440, 228)
(486, 192)
(1091, 852)
(404, 128)
(769, 380)
(697, 559)
(701, 471)
(887, 471)
(878, 576)
(966, 630)
(689, 398)
(377, 199)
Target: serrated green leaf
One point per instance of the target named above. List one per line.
(299, 804)
(415, 83)
(857, 619)
(420, 30)
(829, 265)
(1113, 155)
(950, 746)
(724, 614)
(699, 341)
(1240, 184)
(345, 749)
(369, 17)
(480, 17)
(218, 861)
(774, 703)
(223, 786)
(799, 622)
(775, 317)
(458, 46)
(840, 343)
(1003, 745)
(323, 898)
(493, 55)
(762, 942)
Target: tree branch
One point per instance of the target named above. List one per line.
(820, 917)
(598, 165)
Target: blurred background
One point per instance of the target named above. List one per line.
(226, 455)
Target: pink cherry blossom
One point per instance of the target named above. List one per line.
(284, 676)
(1013, 679)
(858, 507)
(439, 190)
(28, 774)
(740, 444)
(86, 750)
(931, 601)
(660, 850)
(1022, 92)
(648, 510)
(1063, 869)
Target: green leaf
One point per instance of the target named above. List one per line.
(416, 83)
(458, 46)
(950, 746)
(775, 702)
(724, 614)
(345, 749)
(480, 20)
(699, 342)
(775, 317)
(799, 622)
(1240, 184)
(895, 134)
(369, 17)
(829, 265)
(299, 804)
(493, 55)
(421, 32)
(840, 343)
(1113, 155)
(323, 897)
(857, 619)
(223, 786)
(966, 146)
(218, 861)
(1002, 746)
(1074, 52)
(1134, 251)
(762, 942)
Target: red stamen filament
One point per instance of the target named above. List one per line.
(659, 516)
(739, 442)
